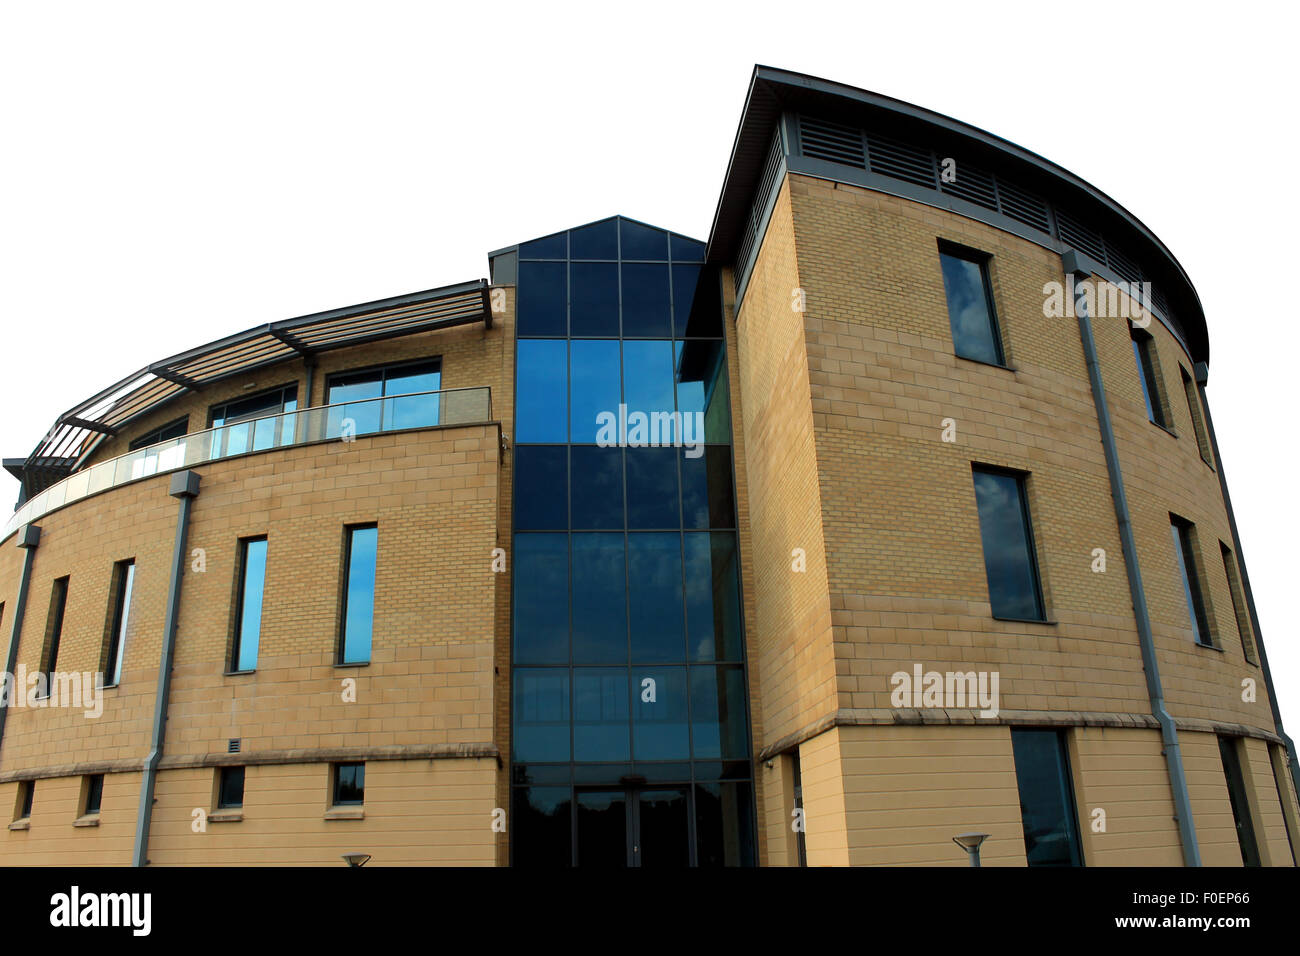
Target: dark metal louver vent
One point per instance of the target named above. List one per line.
(757, 212)
(902, 161)
(232, 746)
(1161, 302)
(1022, 206)
(833, 142)
(1080, 236)
(1122, 265)
(973, 185)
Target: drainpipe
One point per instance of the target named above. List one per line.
(29, 536)
(1074, 269)
(185, 486)
(1202, 376)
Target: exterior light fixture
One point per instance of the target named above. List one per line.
(970, 842)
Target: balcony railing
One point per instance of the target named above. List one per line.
(347, 420)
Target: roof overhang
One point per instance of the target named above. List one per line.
(773, 92)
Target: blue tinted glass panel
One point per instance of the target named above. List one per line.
(719, 726)
(1046, 798)
(646, 306)
(359, 610)
(541, 599)
(594, 307)
(724, 825)
(413, 411)
(599, 599)
(687, 250)
(541, 491)
(541, 413)
(597, 483)
(250, 604)
(702, 390)
(652, 488)
(697, 302)
(541, 827)
(597, 241)
(542, 298)
(654, 572)
(549, 247)
(1008, 549)
(594, 387)
(707, 498)
(643, 242)
(974, 331)
(659, 726)
(541, 714)
(713, 597)
(600, 714)
(647, 384)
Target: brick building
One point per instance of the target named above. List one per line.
(892, 512)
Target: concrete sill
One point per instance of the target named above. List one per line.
(1208, 647)
(967, 358)
(345, 813)
(225, 816)
(1027, 620)
(353, 664)
(23, 824)
(1165, 428)
(89, 820)
(236, 674)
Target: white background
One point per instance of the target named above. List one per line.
(173, 172)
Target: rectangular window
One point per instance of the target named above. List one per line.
(359, 559)
(118, 621)
(1240, 800)
(23, 807)
(53, 634)
(410, 389)
(1238, 604)
(93, 794)
(176, 429)
(1047, 809)
(1015, 590)
(971, 314)
(230, 788)
(248, 604)
(1186, 554)
(246, 424)
(1198, 420)
(349, 784)
(1149, 375)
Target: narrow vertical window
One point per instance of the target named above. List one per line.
(358, 593)
(1015, 590)
(93, 794)
(23, 807)
(1238, 604)
(1198, 420)
(118, 621)
(1193, 590)
(53, 634)
(1047, 808)
(1240, 800)
(349, 784)
(969, 291)
(248, 604)
(230, 788)
(1149, 376)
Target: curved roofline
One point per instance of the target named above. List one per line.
(774, 91)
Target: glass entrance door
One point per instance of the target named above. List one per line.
(626, 828)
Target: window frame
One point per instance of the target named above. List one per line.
(118, 622)
(54, 631)
(1066, 767)
(1197, 415)
(282, 389)
(158, 434)
(345, 587)
(1240, 613)
(92, 791)
(1243, 817)
(223, 774)
(1150, 379)
(336, 781)
(24, 800)
(983, 260)
(241, 579)
(1026, 515)
(1186, 554)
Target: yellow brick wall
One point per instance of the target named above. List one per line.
(1123, 773)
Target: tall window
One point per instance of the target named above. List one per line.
(1186, 555)
(406, 388)
(53, 633)
(23, 806)
(243, 424)
(230, 788)
(1238, 604)
(1240, 800)
(92, 794)
(361, 551)
(1047, 808)
(248, 604)
(118, 621)
(1198, 420)
(1149, 375)
(349, 784)
(974, 321)
(1015, 590)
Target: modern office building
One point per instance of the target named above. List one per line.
(890, 513)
